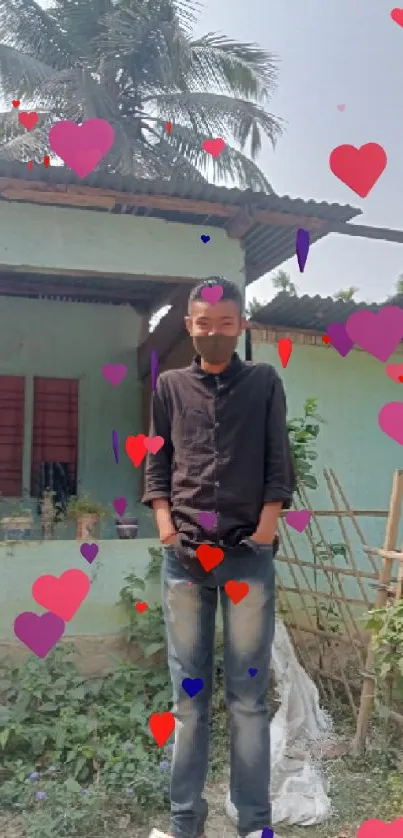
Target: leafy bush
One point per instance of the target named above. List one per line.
(303, 433)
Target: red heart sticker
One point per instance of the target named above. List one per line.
(358, 168)
(378, 829)
(62, 595)
(30, 164)
(236, 590)
(28, 119)
(209, 557)
(135, 448)
(153, 443)
(46, 160)
(326, 339)
(214, 147)
(16, 103)
(397, 16)
(141, 606)
(168, 127)
(161, 726)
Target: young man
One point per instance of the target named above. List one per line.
(226, 453)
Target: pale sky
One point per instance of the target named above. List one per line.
(331, 52)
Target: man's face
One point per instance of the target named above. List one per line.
(215, 330)
(223, 318)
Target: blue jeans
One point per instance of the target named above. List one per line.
(190, 611)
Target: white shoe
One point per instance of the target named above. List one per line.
(156, 833)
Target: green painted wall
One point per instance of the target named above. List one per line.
(62, 339)
(70, 239)
(350, 393)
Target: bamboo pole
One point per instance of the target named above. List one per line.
(391, 531)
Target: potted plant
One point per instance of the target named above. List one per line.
(127, 526)
(18, 523)
(87, 514)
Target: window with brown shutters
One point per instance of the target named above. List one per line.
(12, 402)
(54, 435)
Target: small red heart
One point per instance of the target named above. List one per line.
(397, 16)
(135, 448)
(46, 160)
(326, 339)
(169, 127)
(161, 726)
(15, 103)
(400, 377)
(30, 164)
(28, 119)
(214, 147)
(209, 557)
(358, 168)
(141, 606)
(236, 590)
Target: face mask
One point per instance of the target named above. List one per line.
(215, 349)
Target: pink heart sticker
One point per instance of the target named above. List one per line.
(62, 595)
(153, 443)
(390, 420)
(114, 373)
(212, 293)
(379, 334)
(378, 829)
(82, 147)
(214, 147)
(395, 371)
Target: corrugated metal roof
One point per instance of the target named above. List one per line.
(266, 245)
(312, 313)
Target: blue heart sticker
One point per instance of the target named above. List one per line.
(205, 239)
(192, 686)
(252, 671)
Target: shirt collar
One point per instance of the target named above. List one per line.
(234, 366)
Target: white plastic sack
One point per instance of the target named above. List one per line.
(298, 793)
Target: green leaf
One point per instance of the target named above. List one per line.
(72, 785)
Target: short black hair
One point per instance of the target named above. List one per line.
(230, 291)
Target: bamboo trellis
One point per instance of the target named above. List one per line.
(322, 612)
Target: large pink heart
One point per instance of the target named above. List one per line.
(390, 420)
(82, 147)
(380, 333)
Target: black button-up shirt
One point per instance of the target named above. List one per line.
(226, 450)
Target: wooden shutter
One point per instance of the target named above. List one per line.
(12, 401)
(55, 426)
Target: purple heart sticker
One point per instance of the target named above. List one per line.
(120, 506)
(114, 373)
(302, 247)
(267, 833)
(89, 552)
(208, 520)
(39, 633)
(339, 338)
(298, 519)
(192, 686)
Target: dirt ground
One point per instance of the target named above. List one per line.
(357, 795)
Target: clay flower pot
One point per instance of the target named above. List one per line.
(86, 526)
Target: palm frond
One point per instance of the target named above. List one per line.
(241, 69)
(215, 114)
(21, 74)
(31, 145)
(26, 25)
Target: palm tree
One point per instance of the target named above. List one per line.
(282, 282)
(135, 64)
(347, 295)
(254, 307)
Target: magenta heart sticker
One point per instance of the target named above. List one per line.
(114, 373)
(39, 633)
(379, 334)
(298, 519)
(212, 293)
(89, 552)
(208, 520)
(120, 506)
(339, 338)
(390, 419)
(82, 147)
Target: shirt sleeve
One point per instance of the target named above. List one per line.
(157, 475)
(279, 475)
